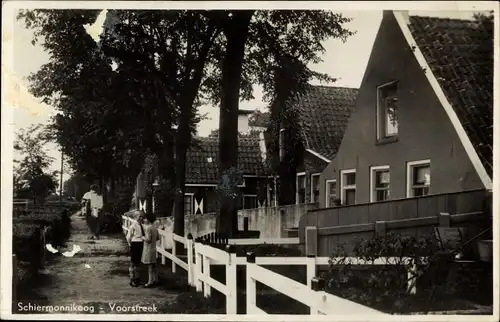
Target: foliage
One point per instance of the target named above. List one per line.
(385, 286)
(31, 176)
(76, 186)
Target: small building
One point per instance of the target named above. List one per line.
(423, 119)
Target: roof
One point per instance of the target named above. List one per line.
(203, 157)
(460, 55)
(323, 113)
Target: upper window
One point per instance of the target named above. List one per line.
(387, 111)
(380, 181)
(315, 187)
(348, 186)
(418, 178)
(282, 143)
(250, 202)
(331, 193)
(300, 196)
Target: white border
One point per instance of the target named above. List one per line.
(327, 191)
(318, 174)
(469, 148)
(409, 173)
(7, 131)
(373, 170)
(299, 174)
(343, 187)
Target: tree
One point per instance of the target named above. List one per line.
(274, 49)
(171, 46)
(32, 178)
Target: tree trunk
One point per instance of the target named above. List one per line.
(236, 33)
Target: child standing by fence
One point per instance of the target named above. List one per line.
(149, 250)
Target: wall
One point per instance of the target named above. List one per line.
(425, 131)
(272, 222)
(344, 224)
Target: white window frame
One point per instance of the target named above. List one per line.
(191, 196)
(381, 131)
(299, 174)
(327, 191)
(312, 187)
(373, 171)
(343, 187)
(409, 175)
(281, 139)
(252, 196)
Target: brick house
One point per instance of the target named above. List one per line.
(203, 175)
(423, 120)
(322, 116)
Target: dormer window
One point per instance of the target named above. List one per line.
(387, 111)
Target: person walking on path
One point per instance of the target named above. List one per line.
(135, 240)
(149, 251)
(94, 216)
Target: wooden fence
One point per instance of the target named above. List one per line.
(201, 256)
(415, 216)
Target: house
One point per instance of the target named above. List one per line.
(203, 175)
(423, 119)
(322, 114)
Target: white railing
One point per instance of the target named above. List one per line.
(201, 256)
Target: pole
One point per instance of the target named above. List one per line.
(61, 181)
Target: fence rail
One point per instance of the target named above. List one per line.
(201, 256)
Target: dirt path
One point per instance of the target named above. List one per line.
(97, 276)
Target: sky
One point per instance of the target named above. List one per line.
(344, 61)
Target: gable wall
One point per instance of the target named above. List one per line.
(425, 132)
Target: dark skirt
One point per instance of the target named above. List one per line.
(136, 252)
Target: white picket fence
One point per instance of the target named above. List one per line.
(200, 257)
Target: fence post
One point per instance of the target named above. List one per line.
(198, 263)
(311, 241)
(444, 219)
(251, 284)
(190, 259)
(380, 228)
(42, 247)
(412, 285)
(207, 290)
(163, 247)
(311, 268)
(174, 266)
(318, 287)
(231, 282)
(245, 224)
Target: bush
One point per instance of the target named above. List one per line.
(26, 243)
(385, 287)
(195, 303)
(59, 223)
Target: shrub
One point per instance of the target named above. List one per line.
(59, 223)
(195, 303)
(26, 243)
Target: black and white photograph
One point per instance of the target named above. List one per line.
(279, 160)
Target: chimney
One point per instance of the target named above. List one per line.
(243, 121)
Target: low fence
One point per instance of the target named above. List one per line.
(201, 256)
(415, 216)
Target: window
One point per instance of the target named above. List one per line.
(331, 193)
(282, 143)
(387, 111)
(315, 187)
(348, 184)
(418, 178)
(300, 188)
(250, 202)
(380, 183)
(188, 204)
